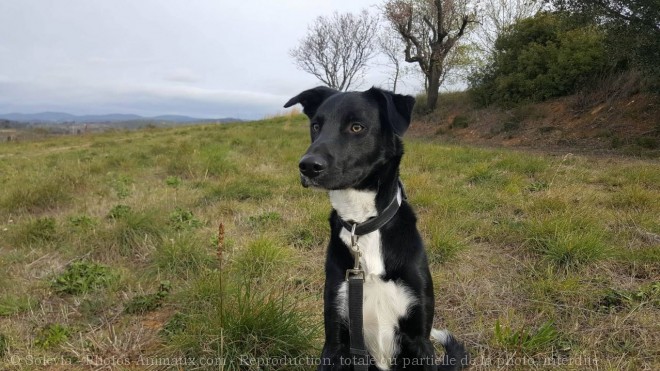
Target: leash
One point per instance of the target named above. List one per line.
(355, 278)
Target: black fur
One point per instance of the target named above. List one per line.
(340, 158)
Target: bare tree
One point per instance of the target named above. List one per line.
(497, 15)
(390, 46)
(337, 48)
(430, 30)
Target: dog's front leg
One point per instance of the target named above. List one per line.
(335, 357)
(416, 354)
(336, 350)
(416, 349)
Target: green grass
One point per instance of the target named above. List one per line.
(11, 304)
(261, 257)
(4, 345)
(183, 256)
(51, 335)
(526, 341)
(566, 241)
(531, 254)
(35, 232)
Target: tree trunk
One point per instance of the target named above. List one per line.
(432, 89)
(396, 78)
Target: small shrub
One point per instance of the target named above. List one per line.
(509, 126)
(618, 299)
(121, 185)
(51, 335)
(82, 277)
(146, 303)
(613, 300)
(82, 221)
(440, 131)
(181, 219)
(459, 122)
(647, 142)
(420, 107)
(173, 181)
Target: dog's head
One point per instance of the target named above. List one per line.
(353, 134)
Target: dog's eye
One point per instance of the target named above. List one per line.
(316, 127)
(356, 127)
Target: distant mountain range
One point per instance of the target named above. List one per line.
(60, 117)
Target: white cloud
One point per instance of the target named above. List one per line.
(184, 75)
(207, 57)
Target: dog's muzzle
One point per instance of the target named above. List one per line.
(311, 167)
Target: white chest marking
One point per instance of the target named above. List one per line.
(354, 205)
(359, 206)
(384, 302)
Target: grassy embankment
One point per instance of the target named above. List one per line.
(109, 249)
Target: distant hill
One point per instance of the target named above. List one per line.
(61, 117)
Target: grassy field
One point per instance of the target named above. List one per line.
(111, 256)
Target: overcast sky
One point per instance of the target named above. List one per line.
(203, 58)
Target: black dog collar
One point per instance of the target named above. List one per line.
(375, 223)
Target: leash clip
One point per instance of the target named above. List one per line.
(354, 239)
(355, 250)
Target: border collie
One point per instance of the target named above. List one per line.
(355, 154)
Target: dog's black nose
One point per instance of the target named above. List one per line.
(311, 166)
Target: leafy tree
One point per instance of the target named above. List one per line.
(633, 30)
(545, 56)
(337, 48)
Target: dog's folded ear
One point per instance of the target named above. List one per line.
(396, 108)
(311, 99)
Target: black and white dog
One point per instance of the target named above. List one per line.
(355, 154)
